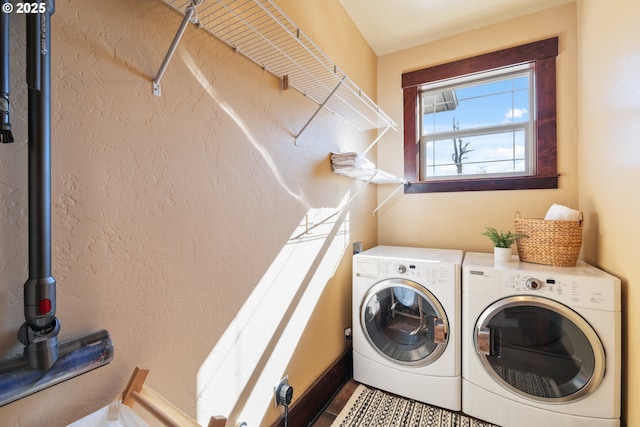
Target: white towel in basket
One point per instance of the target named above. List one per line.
(562, 213)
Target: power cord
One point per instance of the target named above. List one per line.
(284, 395)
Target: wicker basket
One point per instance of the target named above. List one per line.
(549, 242)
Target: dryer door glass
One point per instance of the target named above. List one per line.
(539, 348)
(404, 322)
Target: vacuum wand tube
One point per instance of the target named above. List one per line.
(5, 106)
(40, 331)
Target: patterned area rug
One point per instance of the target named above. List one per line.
(528, 382)
(369, 407)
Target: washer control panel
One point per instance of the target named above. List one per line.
(431, 273)
(401, 268)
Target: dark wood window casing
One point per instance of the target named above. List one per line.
(543, 55)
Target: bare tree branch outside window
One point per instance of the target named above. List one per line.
(459, 149)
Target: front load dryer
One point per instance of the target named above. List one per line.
(541, 344)
(406, 322)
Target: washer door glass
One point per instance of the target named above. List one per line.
(539, 349)
(404, 322)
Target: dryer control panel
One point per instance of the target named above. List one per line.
(599, 291)
(583, 291)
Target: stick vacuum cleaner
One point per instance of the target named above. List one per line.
(45, 362)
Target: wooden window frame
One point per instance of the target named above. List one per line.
(542, 54)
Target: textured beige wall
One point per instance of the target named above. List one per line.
(169, 211)
(610, 163)
(456, 220)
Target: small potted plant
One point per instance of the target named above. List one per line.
(502, 243)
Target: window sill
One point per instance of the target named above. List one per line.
(516, 183)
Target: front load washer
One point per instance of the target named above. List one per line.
(541, 344)
(406, 322)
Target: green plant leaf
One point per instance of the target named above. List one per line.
(500, 239)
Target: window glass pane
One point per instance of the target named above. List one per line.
(477, 128)
(442, 94)
(521, 83)
(499, 153)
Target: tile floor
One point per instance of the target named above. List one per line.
(335, 406)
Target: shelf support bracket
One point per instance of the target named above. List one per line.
(320, 108)
(189, 12)
(375, 141)
(384, 202)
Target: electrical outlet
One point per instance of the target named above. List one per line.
(276, 390)
(348, 333)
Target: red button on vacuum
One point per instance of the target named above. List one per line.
(44, 306)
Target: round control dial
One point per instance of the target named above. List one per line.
(534, 284)
(401, 269)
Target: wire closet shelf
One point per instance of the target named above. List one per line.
(259, 30)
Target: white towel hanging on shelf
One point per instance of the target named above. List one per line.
(354, 165)
(350, 160)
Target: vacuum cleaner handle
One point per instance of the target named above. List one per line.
(40, 330)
